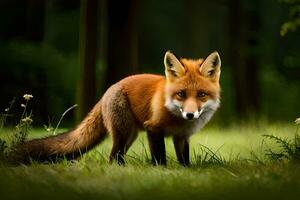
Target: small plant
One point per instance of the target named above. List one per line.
(3, 116)
(23, 127)
(21, 130)
(208, 157)
(288, 149)
(3, 148)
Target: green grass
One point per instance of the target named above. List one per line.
(227, 163)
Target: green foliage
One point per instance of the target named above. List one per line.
(207, 157)
(288, 149)
(3, 148)
(3, 143)
(289, 26)
(294, 17)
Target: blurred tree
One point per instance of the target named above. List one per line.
(23, 19)
(35, 20)
(244, 27)
(197, 41)
(122, 52)
(86, 95)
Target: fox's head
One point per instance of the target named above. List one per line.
(192, 86)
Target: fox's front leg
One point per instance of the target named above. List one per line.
(157, 147)
(181, 145)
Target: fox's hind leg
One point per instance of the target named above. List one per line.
(119, 121)
(118, 150)
(121, 144)
(130, 140)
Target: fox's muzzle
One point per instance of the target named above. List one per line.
(190, 109)
(191, 115)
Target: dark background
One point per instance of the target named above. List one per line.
(67, 52)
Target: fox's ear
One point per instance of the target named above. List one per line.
(173, 68)
(211, 67)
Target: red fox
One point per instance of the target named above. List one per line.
(177, 104)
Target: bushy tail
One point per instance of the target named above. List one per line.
(70, 145)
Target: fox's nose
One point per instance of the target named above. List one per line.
(190, 115)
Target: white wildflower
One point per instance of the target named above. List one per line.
(6, 109)
(27, 96)
(27, 120)
(297, 121)
(23, 105)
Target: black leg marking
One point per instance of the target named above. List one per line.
(118, 151)
(157, 148)
(181, 145)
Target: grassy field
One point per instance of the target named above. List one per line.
(227, 163)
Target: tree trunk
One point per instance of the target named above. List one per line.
(86, 96)
(122, 54)
(244, 59)
(196, 38)
(35, 20)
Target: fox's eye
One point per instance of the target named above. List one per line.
(181, 94)
(201, 94)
